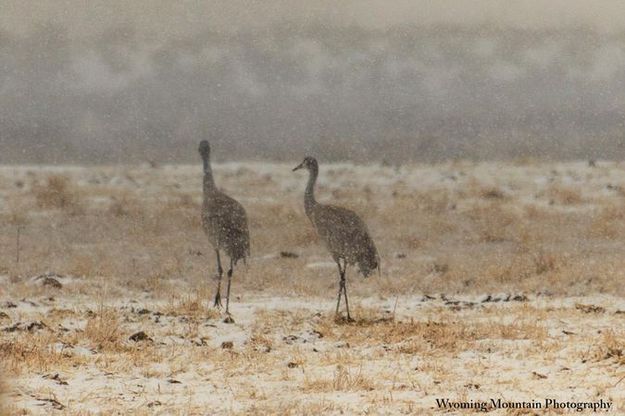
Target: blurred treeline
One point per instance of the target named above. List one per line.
(399, 94)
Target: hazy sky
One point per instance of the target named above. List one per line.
(169, 18)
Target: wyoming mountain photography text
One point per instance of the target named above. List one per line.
(546, 404)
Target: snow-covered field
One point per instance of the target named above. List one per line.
(499, 281)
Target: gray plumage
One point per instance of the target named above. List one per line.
(225, 223)
(344, 234)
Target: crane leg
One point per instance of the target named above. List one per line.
(341, 276)
(229, 319)
(344, 287)
(220, 272)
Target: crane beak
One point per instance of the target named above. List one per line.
(298, 167)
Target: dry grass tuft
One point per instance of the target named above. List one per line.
(564, 195)
(260, 343)
(365, 317)
(492, 222)
(32, 352)
(492, 193)
(103, 330)
(197, 306)
(343, 379)
(57, 193)
(609, 223)
(126, 206)
(610, 346)
(17, 213)
(546, 262)
(417, 337)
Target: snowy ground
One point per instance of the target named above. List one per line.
(499, 281)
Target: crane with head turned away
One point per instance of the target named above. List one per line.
(225, 223)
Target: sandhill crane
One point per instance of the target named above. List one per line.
(342, 231)
(225, 223)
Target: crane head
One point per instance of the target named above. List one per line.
(204, 148)
(309, 163)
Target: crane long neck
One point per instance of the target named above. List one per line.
(209, 182)
(309, 196)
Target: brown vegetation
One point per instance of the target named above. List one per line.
(475, 287)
